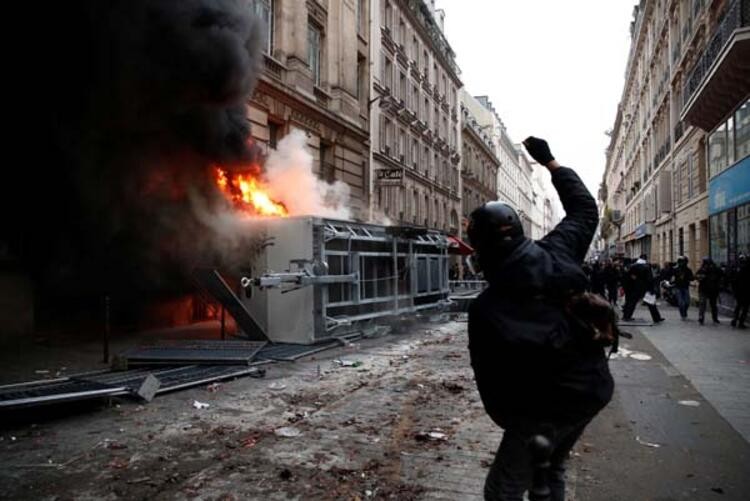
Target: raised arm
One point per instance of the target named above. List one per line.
(574, 233)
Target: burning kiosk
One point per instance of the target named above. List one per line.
(318, 278)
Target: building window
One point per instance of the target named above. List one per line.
(264, 10)
(719, 241)
(742, 132)
(273, 134)
(361, 80)
(743, 229)
(361, 16)
(388, 17)
(327, 167)
(388, 75)
(313, 51)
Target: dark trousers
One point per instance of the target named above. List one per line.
(683, 300)
(740, 311)
(512, 471)
(710, 299)
(631, 301)
(612, 292)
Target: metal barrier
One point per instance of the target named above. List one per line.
(320, 278)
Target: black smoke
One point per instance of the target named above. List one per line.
(126, 106)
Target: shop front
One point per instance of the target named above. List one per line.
(729, 209)
(729, 187)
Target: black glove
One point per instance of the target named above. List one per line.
(538, 149)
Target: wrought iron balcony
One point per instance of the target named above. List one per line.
(718, 80)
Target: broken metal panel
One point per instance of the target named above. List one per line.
(138, 382)
(195, 352)
(290, 352)
(56, 392)
(320, 278)
(215, 285)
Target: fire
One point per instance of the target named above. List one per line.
(248, 192)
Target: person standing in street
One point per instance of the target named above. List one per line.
(681, 279)
(709, 280)
(741, 289)
(540, 368)
(597, 279)
(640, 283)
(611, 278)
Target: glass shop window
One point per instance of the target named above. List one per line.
(719, 243)
(742, 132)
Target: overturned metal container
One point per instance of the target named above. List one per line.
(320, 278)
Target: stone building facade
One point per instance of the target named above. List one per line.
(479, 163)
(316, 78)
(687, 75)
(415, 122)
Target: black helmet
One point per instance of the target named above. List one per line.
(492, 224)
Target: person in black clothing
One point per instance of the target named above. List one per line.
(709, 279)
(656, 273)
(611, 279)
(640, 281)
(681, 278)
(597, 279)
(537, 368)
(741, 289)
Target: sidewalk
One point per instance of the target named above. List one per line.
(714, 358)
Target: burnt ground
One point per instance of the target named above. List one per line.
(361, 432)
(405, 422)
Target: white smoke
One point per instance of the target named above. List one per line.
(291, 180)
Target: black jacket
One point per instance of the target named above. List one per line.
(682, 277)
(641, 279)
(530, 363)
(709, 279)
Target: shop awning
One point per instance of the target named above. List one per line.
(458, 246)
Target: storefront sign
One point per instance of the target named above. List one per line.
(643, 230)
(730, 188)
(390, 174)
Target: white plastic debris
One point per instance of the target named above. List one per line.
(640, 356)
(287, 432)
(276, 386)
(348, 363)
(689, 403)
(437, 435)
(647, 444)
(200, 405)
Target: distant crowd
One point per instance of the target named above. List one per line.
(638, 281)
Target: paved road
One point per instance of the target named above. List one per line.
(714, 358)
(674, 429)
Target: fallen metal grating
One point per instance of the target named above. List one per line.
(195, 352)
(291, 352)
(56, 392)
(174, 378)
(287, 352)
(117, 383)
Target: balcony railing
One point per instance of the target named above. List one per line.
(737, 15)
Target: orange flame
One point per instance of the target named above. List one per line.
(248, 193)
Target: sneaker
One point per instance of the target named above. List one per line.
(716, 321)
(658, 320)
(700, 321)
